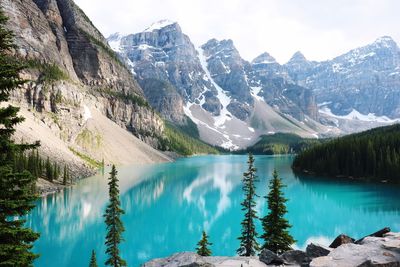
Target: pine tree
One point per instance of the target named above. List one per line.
(115, 228)
(202, 247)
(65, 175)
(49, 170)
(276, 235)
(17, 194)
(248, 241)
(55, 171)
(93, 261)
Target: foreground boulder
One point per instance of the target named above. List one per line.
(190, 259)
(372, 251)
(296, 257)
(340, 240)
(269, 257)
(315, 250)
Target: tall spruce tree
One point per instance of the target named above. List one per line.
(115, 228)
(202, 247)
(65, 175)
(248, 242)
(16, 187)
(93, 260)
(276, 228)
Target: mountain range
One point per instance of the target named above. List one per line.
(89, 97)
(233, 101)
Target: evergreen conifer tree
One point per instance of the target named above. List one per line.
(276, 228)
(202, 247)
(16, 187)
(248, 242)
(115, 228)
(93, 260)
(65, 175)
(49, 170)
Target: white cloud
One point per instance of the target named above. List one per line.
(320, 29)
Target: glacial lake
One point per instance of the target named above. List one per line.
(168, 205)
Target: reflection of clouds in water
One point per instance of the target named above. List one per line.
(148, 192)
(199, 201)
(206, 182)
(86, 209)
(85, 201)
(227, 234)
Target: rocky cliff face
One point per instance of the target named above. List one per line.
(166, 64)
(278, 90)
(71, 68)
(366, 79)
(228, 70)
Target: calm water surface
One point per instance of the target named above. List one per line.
(168, 205)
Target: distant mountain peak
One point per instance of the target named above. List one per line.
(385, 41)
(160, 25)
(264, 58)
(297, 57)
(115, 36)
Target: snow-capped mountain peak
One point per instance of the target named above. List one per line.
(114, 40)
(385, 41)
(297, 57)
(264, 58)
(159, 25)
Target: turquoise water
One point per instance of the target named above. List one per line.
(168, 205)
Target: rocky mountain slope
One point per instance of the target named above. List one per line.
(79, 93)
(366, 79)
(231, 100)
(357, 90)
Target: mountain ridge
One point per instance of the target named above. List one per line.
(296, 91)
(213, 85)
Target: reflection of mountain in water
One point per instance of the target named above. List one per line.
(168, 205)
(371, 197)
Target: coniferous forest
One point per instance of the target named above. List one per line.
(370, 155)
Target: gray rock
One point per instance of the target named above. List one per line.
(340, 240)
(58, 33)
(269, 257)
(299, 257)
(373, 251)
(315, 250)
(183, 259)
(168, 68)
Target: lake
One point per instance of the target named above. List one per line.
(168, 205)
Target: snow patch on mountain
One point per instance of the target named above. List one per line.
(159, 25)
(222, 96)
(114, 41)
(355, 115)
(254, 91)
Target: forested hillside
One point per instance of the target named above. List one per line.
(281, 143)
(370, 155)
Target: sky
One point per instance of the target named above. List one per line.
(320, 29)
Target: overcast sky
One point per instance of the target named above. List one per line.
(321, 29)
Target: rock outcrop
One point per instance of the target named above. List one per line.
(372, 251)
(72, 70)
(166, 64)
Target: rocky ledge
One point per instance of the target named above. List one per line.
(381, 250)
